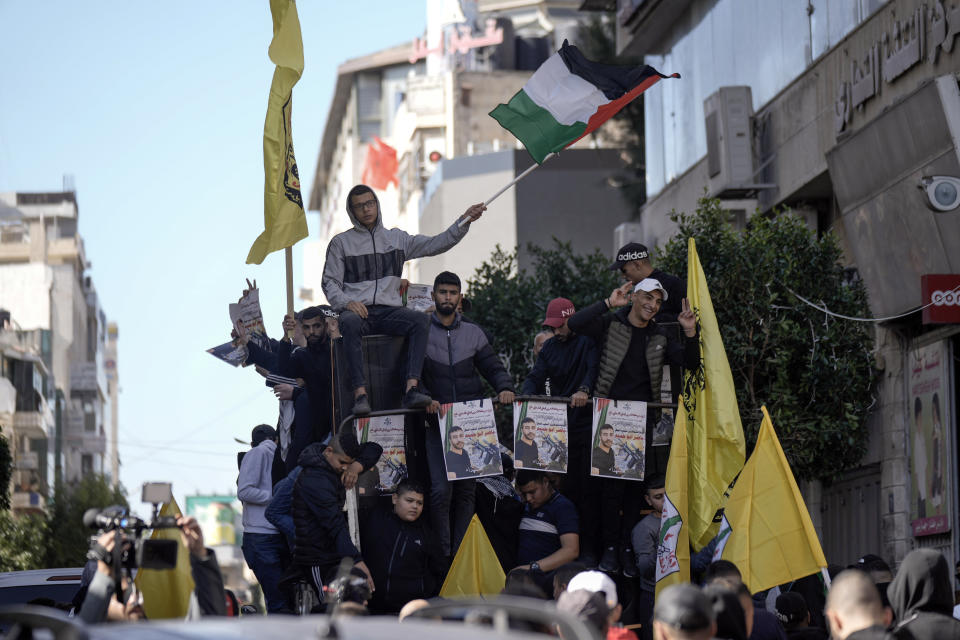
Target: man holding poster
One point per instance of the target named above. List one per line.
(633, 349)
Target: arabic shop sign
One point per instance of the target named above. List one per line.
(459, 40)
(920, 36)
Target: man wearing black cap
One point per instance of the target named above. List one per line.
(683, 612)
(264, 547)
(794, 615)
(633, 261)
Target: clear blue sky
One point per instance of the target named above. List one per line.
(156, 109)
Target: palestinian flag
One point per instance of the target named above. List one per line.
(569, 97)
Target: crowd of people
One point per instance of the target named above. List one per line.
(589, 542)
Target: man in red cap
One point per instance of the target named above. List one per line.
(569, 361)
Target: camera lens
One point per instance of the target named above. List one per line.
(945, 193)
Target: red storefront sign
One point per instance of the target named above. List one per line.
(941, 298)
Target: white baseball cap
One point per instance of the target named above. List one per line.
(597, 582)
(651, 284)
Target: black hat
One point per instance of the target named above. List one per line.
(262, 432)
(628, 253)
(791, 609)
(349, 443)
(684, 607)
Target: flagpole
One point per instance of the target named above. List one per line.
(288, 258)
(520, 177)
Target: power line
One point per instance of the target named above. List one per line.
(824, 309)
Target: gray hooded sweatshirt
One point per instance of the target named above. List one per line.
(365, 265)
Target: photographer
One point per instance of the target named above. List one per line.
(100, 603)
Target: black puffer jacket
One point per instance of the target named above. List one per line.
(318, 496)
(454, 355)
(403, 559)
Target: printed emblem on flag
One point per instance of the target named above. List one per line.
(670, 524)
(722, 537)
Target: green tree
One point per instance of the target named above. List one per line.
(23, 541)
(510, 303)
(68, 538)
(815, 373)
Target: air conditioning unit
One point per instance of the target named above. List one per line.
(627, 232)
(730, 162)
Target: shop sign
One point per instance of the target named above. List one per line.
(941, 298)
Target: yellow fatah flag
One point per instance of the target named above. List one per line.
(166, 592)
(475, 570)
(283, 219)
(715, 437)
(673, 544)
(766, 529)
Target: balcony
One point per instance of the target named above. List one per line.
(27, 461)
(25, 501)
(84, 376)
(33, 424)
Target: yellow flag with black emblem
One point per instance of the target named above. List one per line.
(284, 221)
(716, 447)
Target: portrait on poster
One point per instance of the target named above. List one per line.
(929, 439)
(540, 436)
(471, 446)
(391, 468)
(619, 439)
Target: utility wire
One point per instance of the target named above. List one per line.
(840, 315)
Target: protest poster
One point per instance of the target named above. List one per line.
(471, 446)
(540, 435)
(233, 354)
(663, 428)
(418, 297)
(391, 468)
(246, 313)
(619, 439)
(929, 439)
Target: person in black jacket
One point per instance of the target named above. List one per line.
(322, 537)
(569, 362)
(456, 351)
(633, 261)
(400, 551)
(631, 356)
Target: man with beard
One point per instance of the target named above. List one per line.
(458, 460)
(569, 362)
(456, 352)
(361, 279)
(604, 460)
(526, 453)
(633, 350)
(312, 364)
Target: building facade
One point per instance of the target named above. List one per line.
(429, 99)
(848, 113)
(55, 316)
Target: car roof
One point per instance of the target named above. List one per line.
(293, 627)
(40, 576)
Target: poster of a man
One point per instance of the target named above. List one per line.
(619, 439)
(540, 435)
(458, 460)
(526, 453)
(470, 443)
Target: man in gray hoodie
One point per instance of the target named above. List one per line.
(361, 280)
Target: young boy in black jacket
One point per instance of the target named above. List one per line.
(403, 558)
(322, 536)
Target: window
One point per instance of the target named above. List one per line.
(86, 464)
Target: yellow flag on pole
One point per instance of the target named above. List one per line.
(166, 592)
(475, 570)
(716, 446)
(766, 529)
(673, 544)
(283, 218)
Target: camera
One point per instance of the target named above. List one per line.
(131, 550)
(942, 192)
